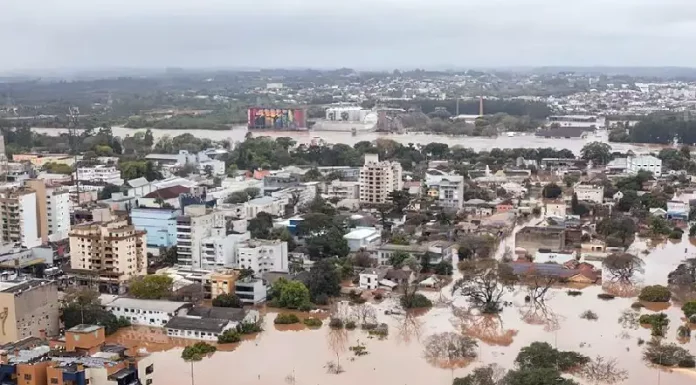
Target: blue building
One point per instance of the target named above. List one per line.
(160, 225)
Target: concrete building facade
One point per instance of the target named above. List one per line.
(378, 179)
(197, 223)
(19, 214)
(263, 256)
(27, 308)
(589, 193)
(533, 238)
(115, 251)
(100, 173)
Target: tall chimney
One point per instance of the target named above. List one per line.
(481, 106)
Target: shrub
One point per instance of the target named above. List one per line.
(305, 307)
(249, 328)
(229, 336)
(667, 354)
(286, 319)
(692, 319)
(658, 323)
(655, 293)
(589, 315)
(574, 293)
(415, 301)
(197, 351)
(336, 323)
(227, 300)
(606, 296)
(676, 234)
(312, 322)
(351, 325)
(684, 331)
(687, 362)
(689, 309)
(637, 305)
(381, 330)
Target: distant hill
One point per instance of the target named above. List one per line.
(657, 72)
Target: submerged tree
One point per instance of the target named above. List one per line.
(450, 349)
(603, 370)
(486, 375)
(623, 266)
(484, 283)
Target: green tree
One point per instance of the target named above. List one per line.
(109, 189)
(599, 153)
(400, 199)
(689, 309)
(293, 295)
(324, 279)
(260, 227)
(397, 259)
(197, 351)
(542, 355)
(227, 300)
(229, 336)
(237, 197)
(552, 191)
(82, 306)
(655, 293)
(328, 244)
(151, 287)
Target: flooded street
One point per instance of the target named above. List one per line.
(237, 134)
(300, 356)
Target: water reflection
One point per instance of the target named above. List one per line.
(488, 328)
(539, 313)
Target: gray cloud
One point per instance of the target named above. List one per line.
(39, 34)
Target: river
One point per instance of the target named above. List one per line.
(237, 134)
(280, 356)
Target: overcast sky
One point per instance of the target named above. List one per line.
(92, 34)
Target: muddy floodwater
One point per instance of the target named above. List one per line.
(298, 355)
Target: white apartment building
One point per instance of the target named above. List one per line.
(343, 190)
(644, 162)
(100, 173)
(116, 250)
(263, 256)
(197, 223)
(447, 190)
(589, 193)
(219, 251)
(19, 217)
(146, 312)
(378, 179)
(58, 213)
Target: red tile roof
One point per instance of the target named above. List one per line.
(169, 192)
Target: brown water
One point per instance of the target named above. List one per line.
(282, 356)
(237, 134)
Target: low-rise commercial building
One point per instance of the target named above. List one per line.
(589, 193)
(100, 173)
(644, 162)
(338, 189)
(250, 290)
(362, 237)
(263, 256)
(146, 312)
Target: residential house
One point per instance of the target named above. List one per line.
(370, 278)
(533, 238)
(589, 193)
(250, 290)
(478, 207)
(678, 210)
(556, 209)
(556, 271)
(446, 190)
(504, 207)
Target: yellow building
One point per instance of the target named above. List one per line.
(222, 282)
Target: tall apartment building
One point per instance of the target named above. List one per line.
(113, 252)
(19, 217)
(52, 210)
(28, 307)
(447, 190)
(197, 223)
(378, 179)
(263, 256)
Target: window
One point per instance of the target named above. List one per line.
(27, 377)
(149, 381)
(54, 380)
(150, 369)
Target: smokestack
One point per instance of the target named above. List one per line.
(481, 106)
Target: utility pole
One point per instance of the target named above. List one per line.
(72, 134)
